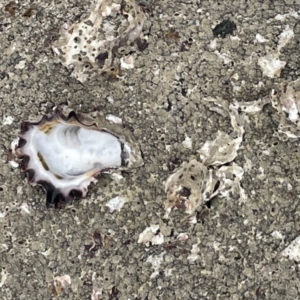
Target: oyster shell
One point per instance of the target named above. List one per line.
(89, 47)
(65, 154)
(216, 174)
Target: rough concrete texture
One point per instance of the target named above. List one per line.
(85, 251)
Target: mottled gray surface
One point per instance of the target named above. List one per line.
(239, 256)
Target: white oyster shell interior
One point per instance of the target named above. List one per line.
(65, 155)
(74, 151)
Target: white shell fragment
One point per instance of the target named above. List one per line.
(285, 36)
(182, 237)
(64, 281)
(13, 164)
(151, 234)
(60, 284)
(115, 204)
(65, 154)
(260, 39)
(155, 261)
(113, 119)
(193, 256)
(89, 47)
(292, 14)
(13, 145)
(252, 107)
(127, 62)
(292, 252)
(97, 294)
(7, 120)
(271, 65)
(195, 182)
(187, 143)
(221, 150)
(287, 102)
(25, 208)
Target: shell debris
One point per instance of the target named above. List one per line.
(151, 235)
(270, 64)
(286, 100)
(193, 256)
(60, 284)
(89, 47)
(155, 261)
(116, 204)
(7, 120)
(292, 251)
(196, 182)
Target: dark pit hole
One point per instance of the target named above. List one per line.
(169, 107)
(208, 203)
(185, 192)
(175, 160)
(76, 40)
(1, 189)
(141, 44)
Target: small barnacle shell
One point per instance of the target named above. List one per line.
(65, 154)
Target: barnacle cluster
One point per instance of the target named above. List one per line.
(93, 45)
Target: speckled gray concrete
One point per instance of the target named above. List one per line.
(46, 244)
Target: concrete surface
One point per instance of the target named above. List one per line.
(239, 242)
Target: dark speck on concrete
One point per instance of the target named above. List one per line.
(224, 28)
